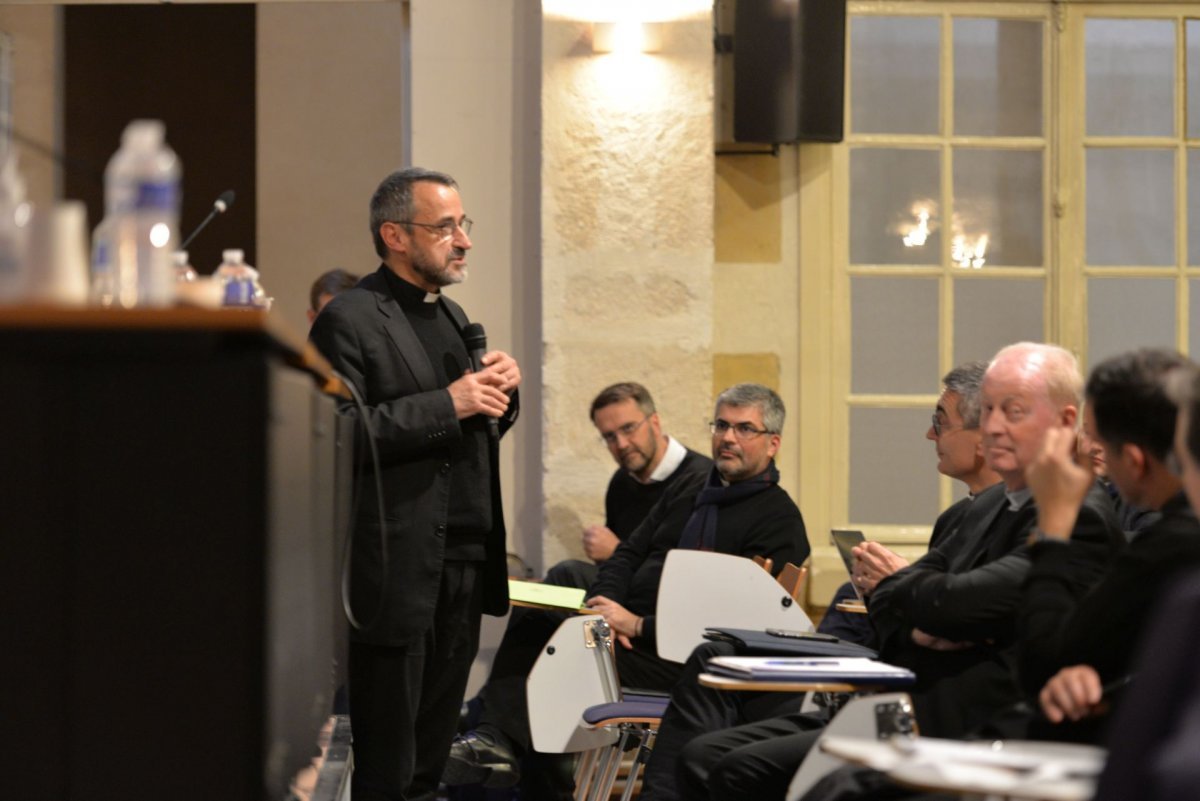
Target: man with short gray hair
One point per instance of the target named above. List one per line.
(739, 508)
(951, 616)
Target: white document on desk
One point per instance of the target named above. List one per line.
(811, 669)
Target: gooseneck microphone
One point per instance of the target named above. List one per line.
(476, 341)
(220, 206)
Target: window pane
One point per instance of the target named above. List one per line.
(1194, 318)
(891, 192)
(1130, 77)
(894, 334)
(1193, 201)
(1192, 37)
(997, 77)
(998, 208)
(1129, 313)
(894, 74)
(989, 314)
(893, 468)
(1130, 207)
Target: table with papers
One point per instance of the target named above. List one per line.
(1016, 769)
(803, 674)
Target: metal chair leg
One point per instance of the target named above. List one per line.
(584, 773)
(611, 762)
(639, 759)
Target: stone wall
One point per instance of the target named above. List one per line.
(627, 213)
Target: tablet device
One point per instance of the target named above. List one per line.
(845, 540)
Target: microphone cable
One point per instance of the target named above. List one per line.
(368, 432)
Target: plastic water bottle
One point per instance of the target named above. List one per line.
(240, 281)
(141, 190)
(184, 274)
(15, 213)
(104, 271)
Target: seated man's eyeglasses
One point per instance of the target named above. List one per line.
(740, 430)
(626, 431)
(940, 424)
(446, 228)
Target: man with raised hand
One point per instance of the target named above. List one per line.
(1075, 643)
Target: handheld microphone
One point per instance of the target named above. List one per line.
(220, 206)
(476, 341)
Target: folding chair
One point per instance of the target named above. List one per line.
(875, 716)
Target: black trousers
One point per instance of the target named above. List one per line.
(757, 760)
(696, 710)
(572, 573)
(405, 700)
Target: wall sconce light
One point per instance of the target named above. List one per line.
(626, 37)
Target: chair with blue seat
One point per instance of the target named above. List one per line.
(575, 699)
(636, 718)
(576, 705)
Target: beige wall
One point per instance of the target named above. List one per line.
(475, 115)
(37, 91)
(756, 285)
(627, 199)
(330, 125)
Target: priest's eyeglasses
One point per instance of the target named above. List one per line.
(445, 229)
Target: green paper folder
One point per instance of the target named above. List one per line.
(532, 592)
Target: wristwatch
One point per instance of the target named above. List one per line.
(1037, 536)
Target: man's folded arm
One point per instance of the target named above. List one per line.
(888, 617)
(972, 606)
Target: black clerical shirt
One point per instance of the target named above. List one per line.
(470, 515)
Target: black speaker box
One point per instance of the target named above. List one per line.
(789, 70)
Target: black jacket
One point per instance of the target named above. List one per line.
(366, 337)
(767, 524)
(968, 589)
(628, 501)
(1064, 623)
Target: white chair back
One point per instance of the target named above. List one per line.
(703, 589)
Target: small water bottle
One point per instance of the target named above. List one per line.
(15, 214)
(104, 272)
(240, 281)
(184, 274)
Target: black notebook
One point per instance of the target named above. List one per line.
(767, 643)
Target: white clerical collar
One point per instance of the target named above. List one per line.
(670, 462)
(431, 297)
(1018, 498)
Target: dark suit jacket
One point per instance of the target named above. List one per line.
(968, 589)
(1155, 736)
(1064, 624)
(366, 337)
